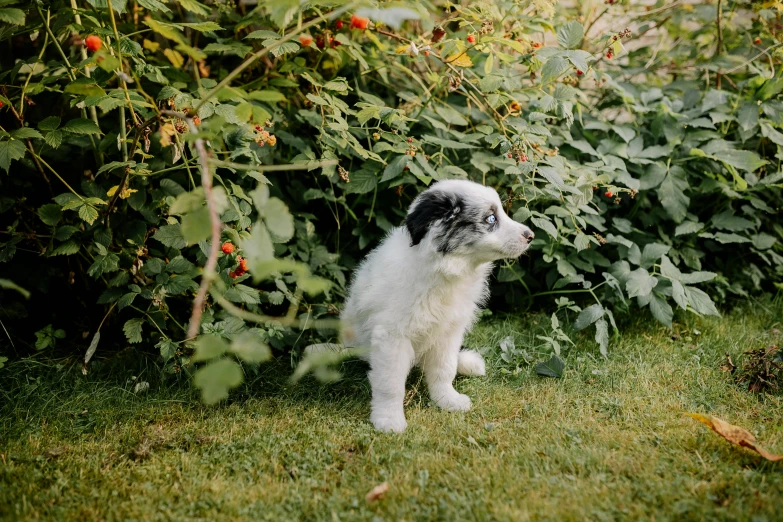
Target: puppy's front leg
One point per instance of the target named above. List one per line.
(440, 368)
(391, 359)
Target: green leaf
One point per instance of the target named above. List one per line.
(194, 7)
(745, 160)
(689, 227)
(748, 116)
(168, 348)
(570, 35)
(552, 368)
(88, 213)
(362, 182)
(267, 95)
(700, 302)
(726, 220)
(588, 316)
(10, 285)
(25, 133)
(154, 5)
(54, 139)
(12, 16)
(50, 214)
(132, 330)
(450, 115)
(171, 236)
(279, 220)
(640, 283)
(49, 123)
(243, 294)
(208, 347)
(672, 194)
(249, 347)
(10, 151)
(661, 310)
(103, 265)
(88, 87)
(66, 249)
(553, 68)
(196, 226)
(216, 379)
(81, 126)
(448, 144)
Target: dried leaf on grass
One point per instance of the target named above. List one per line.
(735, 435)
(377, 492)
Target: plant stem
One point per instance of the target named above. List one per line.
(119, 57)
(40, 57)
(216, 226)
(720, 40)
(39, 158)
(78, 19)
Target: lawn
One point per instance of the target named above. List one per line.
(608, 441)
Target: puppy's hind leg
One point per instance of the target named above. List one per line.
(440, 368)
(391, 359)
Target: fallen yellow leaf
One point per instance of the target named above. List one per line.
(460, 60)
(735, 435)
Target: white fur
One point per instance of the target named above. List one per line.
(412, 305)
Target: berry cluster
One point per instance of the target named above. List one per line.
(411, 148)
(264, 137)
(241, 268)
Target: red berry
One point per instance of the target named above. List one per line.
(338, 24)
(579, 72)
(319, 41)
(609, 55)
(232, 275)
(305, 40)
(471, 38)
(536, 45)
(410, 140)
(359, 22)
(227, 248)
(406, 168)
(426, 53)
(93, 43)
(1, 104)
(608, 194)
(509, 155)
(757, 41)
(523, 158)
(595, 188)
(243, 264)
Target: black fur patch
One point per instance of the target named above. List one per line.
(431, 208)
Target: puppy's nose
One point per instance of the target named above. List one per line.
(528, 234)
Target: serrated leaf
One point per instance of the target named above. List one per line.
(9, 151)
(672, 194)
(700, 301)
(216, 379)
(25, 133)
(570, 35)
(81, 126)
(12, 16)
(552, 368)
(133, 330)
(88, 213)
(171, 236)
(588, 316)
(640, 283)
(49, 123)
(661, 310)
(196, 226)
(50, 214)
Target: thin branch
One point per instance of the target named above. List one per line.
(216, 226)
(310, 165)
(720, 40)
(281, 321)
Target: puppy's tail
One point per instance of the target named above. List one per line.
(470, 363)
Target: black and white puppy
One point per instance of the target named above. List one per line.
(415, 296)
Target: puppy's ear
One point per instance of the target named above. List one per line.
(429, 208)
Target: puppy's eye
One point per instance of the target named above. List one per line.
(491, 218)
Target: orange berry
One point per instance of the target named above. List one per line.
(305, 40)
(471, 38)
(359, 22)
(227, 248)
(536, 45)
(243, 264)
(608, 194)
(93, 43)
(232, 275)
(426, 53)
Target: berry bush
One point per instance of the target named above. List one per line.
(201, 176)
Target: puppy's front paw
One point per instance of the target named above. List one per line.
(454, 402)
(389, 422)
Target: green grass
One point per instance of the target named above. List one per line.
(609, 441)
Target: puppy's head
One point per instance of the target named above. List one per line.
(464, 218)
